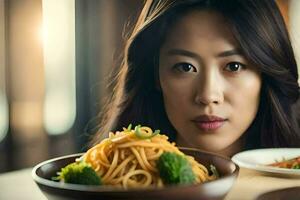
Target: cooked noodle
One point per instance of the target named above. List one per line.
(125, 160)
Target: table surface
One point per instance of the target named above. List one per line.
(250, 184)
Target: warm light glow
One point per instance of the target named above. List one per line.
(4, 114)
(295, 29)
(59, 59)
(42, 33)
(59, 112)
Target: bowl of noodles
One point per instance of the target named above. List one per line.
(136, 164)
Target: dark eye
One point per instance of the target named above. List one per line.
(185, 67)
(234, 67)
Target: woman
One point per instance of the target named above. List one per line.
(215, 75)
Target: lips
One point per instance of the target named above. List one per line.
(209, 122)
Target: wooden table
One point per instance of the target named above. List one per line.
(250, 184)
(19, 185)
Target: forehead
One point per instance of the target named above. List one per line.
(201, 24)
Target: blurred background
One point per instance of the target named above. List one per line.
(55, 59)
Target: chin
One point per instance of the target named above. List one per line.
(209, 148)
(213, 147)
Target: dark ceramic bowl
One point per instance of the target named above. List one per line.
(213, 190)
(292, 193)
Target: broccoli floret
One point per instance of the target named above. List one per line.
(78, 173)
(175, 169)
(296, 166)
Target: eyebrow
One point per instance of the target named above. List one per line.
(183, 52)
(230, 53)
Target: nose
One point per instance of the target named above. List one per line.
(209, 89)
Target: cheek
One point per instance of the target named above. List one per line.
(174, 91)
(176, 96)
(245, 98)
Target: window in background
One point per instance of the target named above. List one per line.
(59, 62)
(3, 100)
(40, 73)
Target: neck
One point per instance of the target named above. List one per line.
(234, 148)
(229, 151)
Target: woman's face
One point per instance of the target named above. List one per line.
(210, 90)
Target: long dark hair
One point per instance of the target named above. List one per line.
(263, 37)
